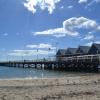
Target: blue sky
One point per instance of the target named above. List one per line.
(28, 27)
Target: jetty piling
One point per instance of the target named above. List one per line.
(83, 58)
(78, 63)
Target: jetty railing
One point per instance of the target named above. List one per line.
(80, 58)
(73, 63)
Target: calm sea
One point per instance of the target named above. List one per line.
(12, 73)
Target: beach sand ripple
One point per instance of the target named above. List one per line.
(66, 88)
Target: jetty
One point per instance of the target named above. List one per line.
(82, 58)
(75, 63)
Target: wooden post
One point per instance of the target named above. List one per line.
(91, 58)
(99, 57)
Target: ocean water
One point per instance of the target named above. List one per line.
(14, 73)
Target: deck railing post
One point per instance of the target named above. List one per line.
(99, 57)
(77, 59)
(91, 58)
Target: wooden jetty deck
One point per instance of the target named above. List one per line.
(75, 63)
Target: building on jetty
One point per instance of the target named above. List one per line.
(82, 50)
(62, 54)
(70, 52)
(71, 59)
(95, 49)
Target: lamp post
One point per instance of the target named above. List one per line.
(98, 55)
(56, 46)
(97, 52)
(37, 54)
(22, 57)
(48, 52)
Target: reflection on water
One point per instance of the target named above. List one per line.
(8, 72)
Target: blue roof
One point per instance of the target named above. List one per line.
(83, 49)
(71, 51)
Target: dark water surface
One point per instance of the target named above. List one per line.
(12, 72)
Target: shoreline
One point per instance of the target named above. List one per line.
(65, 88)
(70, 74)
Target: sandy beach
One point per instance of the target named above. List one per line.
(65, 88)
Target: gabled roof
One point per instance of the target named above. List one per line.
(71, 50)
(61, 52)
(97, 46)
(83, 49)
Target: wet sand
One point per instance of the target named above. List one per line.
(65, 88)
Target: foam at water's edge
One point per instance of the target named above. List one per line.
(30, 78)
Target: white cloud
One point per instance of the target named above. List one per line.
(41, 46)
(90, 2)
(90, 43)
(32, 5)
(70, 7)
(98, 27)
(62, 7)
(58, 32)
(69, 27)
(5, 34)
(94, 1)
(89, 36)
(97, 1)
(80, 22)
(82, 1)
(30, 52)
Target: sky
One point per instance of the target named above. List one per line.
(31, 29)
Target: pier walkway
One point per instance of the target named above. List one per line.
(74, 63)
